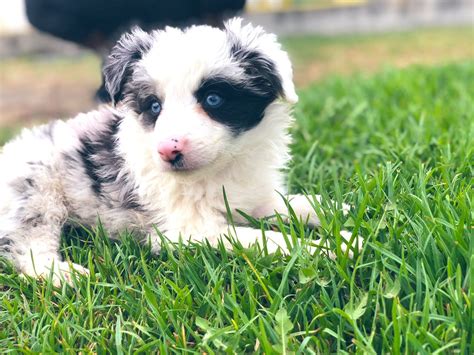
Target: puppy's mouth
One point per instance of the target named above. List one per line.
(178, 163)
(184, 165)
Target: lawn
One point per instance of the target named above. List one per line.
(398, 146)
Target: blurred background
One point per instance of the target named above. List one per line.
(51, 50)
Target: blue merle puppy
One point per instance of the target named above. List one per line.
(192, 111)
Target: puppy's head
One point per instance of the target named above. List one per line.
(195, 94)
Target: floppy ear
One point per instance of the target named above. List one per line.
(254, 39)
(125, 54)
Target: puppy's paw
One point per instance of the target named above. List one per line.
(346, 246)
(356, 244)
(345, 209)
(271, 240)
(312, 219)
(155, 247)
(63, 272)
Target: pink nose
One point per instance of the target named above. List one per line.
(172, 148)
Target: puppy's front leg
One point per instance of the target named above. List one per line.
(246, 236)
(275, 241)
(302, 205)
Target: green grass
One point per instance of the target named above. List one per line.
(6, 133)
(398, 146)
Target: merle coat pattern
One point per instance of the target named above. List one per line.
(192, 112)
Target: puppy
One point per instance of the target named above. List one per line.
(192, 112)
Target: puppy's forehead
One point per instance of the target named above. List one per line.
(180, 60)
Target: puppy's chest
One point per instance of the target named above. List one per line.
(186, 207)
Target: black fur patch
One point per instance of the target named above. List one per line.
(105, 168)
(119, 65)
(245, 98)
(242, 108)
(261, 74)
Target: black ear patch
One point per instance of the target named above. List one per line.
(260, 71)
(119, 65)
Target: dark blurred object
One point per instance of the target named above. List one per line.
(96, 24)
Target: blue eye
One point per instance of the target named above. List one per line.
(155, 108)
(214, 100)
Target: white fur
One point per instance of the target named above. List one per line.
(44, 184)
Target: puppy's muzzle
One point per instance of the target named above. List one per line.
(172, 150)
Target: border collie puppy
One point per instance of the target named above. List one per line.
(192, 112)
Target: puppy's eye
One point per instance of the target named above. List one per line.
(155, 108)
(213, 100)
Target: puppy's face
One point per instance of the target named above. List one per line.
(195, 93)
